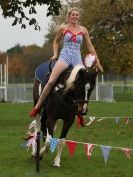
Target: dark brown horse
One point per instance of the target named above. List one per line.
(69, 97)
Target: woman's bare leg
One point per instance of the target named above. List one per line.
(59, 67)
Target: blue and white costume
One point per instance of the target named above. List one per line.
(70, 53)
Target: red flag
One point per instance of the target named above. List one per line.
(80, 120)
(127, 119)
(71, 147)
(89, 149)
(127, 152)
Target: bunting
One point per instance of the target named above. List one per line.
(91, 119)
(89, 148)
(105, 151)
(71, 146)
(80, 121)
(127, 152)
(127, 119)
(117, 120)
(53, 144)
(32, 143)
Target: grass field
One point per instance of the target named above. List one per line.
(15, 160)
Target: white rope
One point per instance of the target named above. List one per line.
(98, 117)
(99, 145)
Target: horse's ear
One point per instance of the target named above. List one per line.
(90, 75)
(80, 75)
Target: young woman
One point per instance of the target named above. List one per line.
(72, 34)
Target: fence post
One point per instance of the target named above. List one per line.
(97, 98)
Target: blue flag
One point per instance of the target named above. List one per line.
(105, 151)
(117, 119)
(53, 144)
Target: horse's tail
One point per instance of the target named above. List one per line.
(36, 90)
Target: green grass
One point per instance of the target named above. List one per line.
(123, 93)
(15, 161)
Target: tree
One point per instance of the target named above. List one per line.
(2, 58)
(16, 50)
(110, 26)
(16, 10)
(123, 61)
(16, 68)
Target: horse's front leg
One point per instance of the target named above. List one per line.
(67, 124)
(60, 147)
(46, 146)
(50, 129)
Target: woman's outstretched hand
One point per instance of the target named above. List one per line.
(98, 66)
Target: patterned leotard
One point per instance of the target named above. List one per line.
(70, 53)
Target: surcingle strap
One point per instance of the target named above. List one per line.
(72, 77)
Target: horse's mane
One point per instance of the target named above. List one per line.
(68, 77)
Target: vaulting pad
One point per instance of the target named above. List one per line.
(42, 70)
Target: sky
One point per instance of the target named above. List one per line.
(13, 35)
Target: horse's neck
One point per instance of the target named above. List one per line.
(64, 76)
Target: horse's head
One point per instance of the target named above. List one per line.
(86, 77)
(84, 83)
(78, 83)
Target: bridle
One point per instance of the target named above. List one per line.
(62, 99)
(74, 102)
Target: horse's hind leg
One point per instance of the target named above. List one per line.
(43, 124)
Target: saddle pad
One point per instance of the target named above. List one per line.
(42, 70)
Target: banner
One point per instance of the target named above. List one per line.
(71, 146)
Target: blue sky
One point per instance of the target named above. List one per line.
(12, 35)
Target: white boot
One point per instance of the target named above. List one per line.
(59, 151)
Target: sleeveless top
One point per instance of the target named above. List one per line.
(70, 53)
(72, 40)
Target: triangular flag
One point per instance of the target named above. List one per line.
(91, 120)
(80, 120)
(32, 143)
(89, 149)
(102, 118)
(23, 145)
(53, 144)
(71, 147)
(117, 120)
(127, 119)
(105, 151)
(127, 152)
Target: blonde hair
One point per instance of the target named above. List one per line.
(69, 13)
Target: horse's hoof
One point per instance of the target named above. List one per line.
(34, 157)
(40, 157)
(56, 165)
